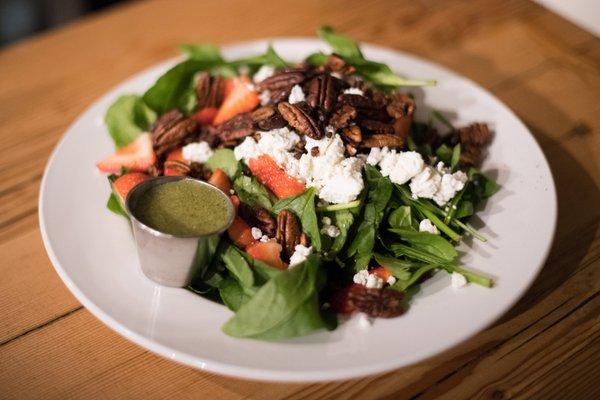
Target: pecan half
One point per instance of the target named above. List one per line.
(300, 119)
(236, 128)
(377, 126)
(378, 303)
(401, 106)
(288, 232)
(209, 90)
(358, 101)
(258, 217)
(342, 117)
(283, 80)
(180, 167)
(382, 140)
(470, 156)
(322, 92)
(477, 134)
(268, 118)
(170, 130)
(335, 63)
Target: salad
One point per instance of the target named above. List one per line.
(344, 202)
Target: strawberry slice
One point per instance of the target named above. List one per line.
(123, 184)
(206, 115)
(238, 99)
(170, 167)
(266, 170)
(240, 233)
(136, 156)
(220, 180)
(269, 252)
(236, 202)
(382, 272)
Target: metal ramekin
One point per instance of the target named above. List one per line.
(170, 260)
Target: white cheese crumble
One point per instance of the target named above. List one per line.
(275, 143)
(371, 281)
(427, 226)
(198, 152)
(263, 73)
(326, 221)
(301, 252)
(296, 95)
(256, 233)
(364, 321)
(391, 280)
(354, 90)
(264, 238)
(331, 231)
(265, 97)
(458, 280)
(401, 167)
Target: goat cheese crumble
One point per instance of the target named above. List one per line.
(328, 229)
(371, 281)
(427, 226)
(301, 252)
(391, 280)
(458, 280)
(256, 233)
(263, 73)
(198, 152)
(296, 95)
(354, 90)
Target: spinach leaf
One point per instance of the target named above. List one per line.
(203, 52)
(379, 192)
(444, 153)
(225, 160)
(483, 186)
(114, 205)
(252, 192)
(232, 294)
(455, 157)
(126, 118)
(303, 205)
(464, 209)
(401, 217)
(278, 305)
(342, 45)
(263, 271)
(428, 242)
(175, 89)
(399, 268)
(403, 284)
(316, 59)
(343, 219)
(238, 267)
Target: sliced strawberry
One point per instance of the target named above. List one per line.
(236, 201)
(339, 299)
(240, 233)
(171, 168)
(220, 180)
(269, 252)
(382, 272)
(136, 156)
(123, 184)
(266, 170)
(206, 116)
(238, 99)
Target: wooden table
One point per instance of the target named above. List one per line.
(544, 68)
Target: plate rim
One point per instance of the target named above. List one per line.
(263, 374)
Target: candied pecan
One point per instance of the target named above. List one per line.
(377, 126)
(288, 232)
(299, 149)
(258, 217)
(477, 134)
(199, 171)
(154, 170)
(209, 90)
(170, 130)
(181, 167)
(283, 80)
(470, 156)
(337, 64)
(208, 134)
(275, 96)
(341, 117)
(401, 106)
(236, 128)
(304, 239)
(358, 101)
(314, 151)
(298, 117)
(322, 92)
(382, 140)
(352, 134)
(379, 303)
(267, 118)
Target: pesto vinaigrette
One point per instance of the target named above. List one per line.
(183, 208)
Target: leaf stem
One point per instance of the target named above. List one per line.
(338, 207)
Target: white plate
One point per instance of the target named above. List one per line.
(93, 252)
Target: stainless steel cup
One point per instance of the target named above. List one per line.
(171, 260)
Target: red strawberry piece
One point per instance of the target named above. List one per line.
(269, 252)
(123, 184)
(136, 156)
(382, 272)
(220, 180)
(240, 233)
(238, 99)
(206, 116)
(175, 155)
(340, 299)
(266, 170)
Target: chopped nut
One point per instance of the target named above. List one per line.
(342, 117)
(378, 303)
(377, 126)
(477, 134)
(382, 140)
(352, 133)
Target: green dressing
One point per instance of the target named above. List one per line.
(183, 208)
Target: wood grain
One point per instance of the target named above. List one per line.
(544, 68)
